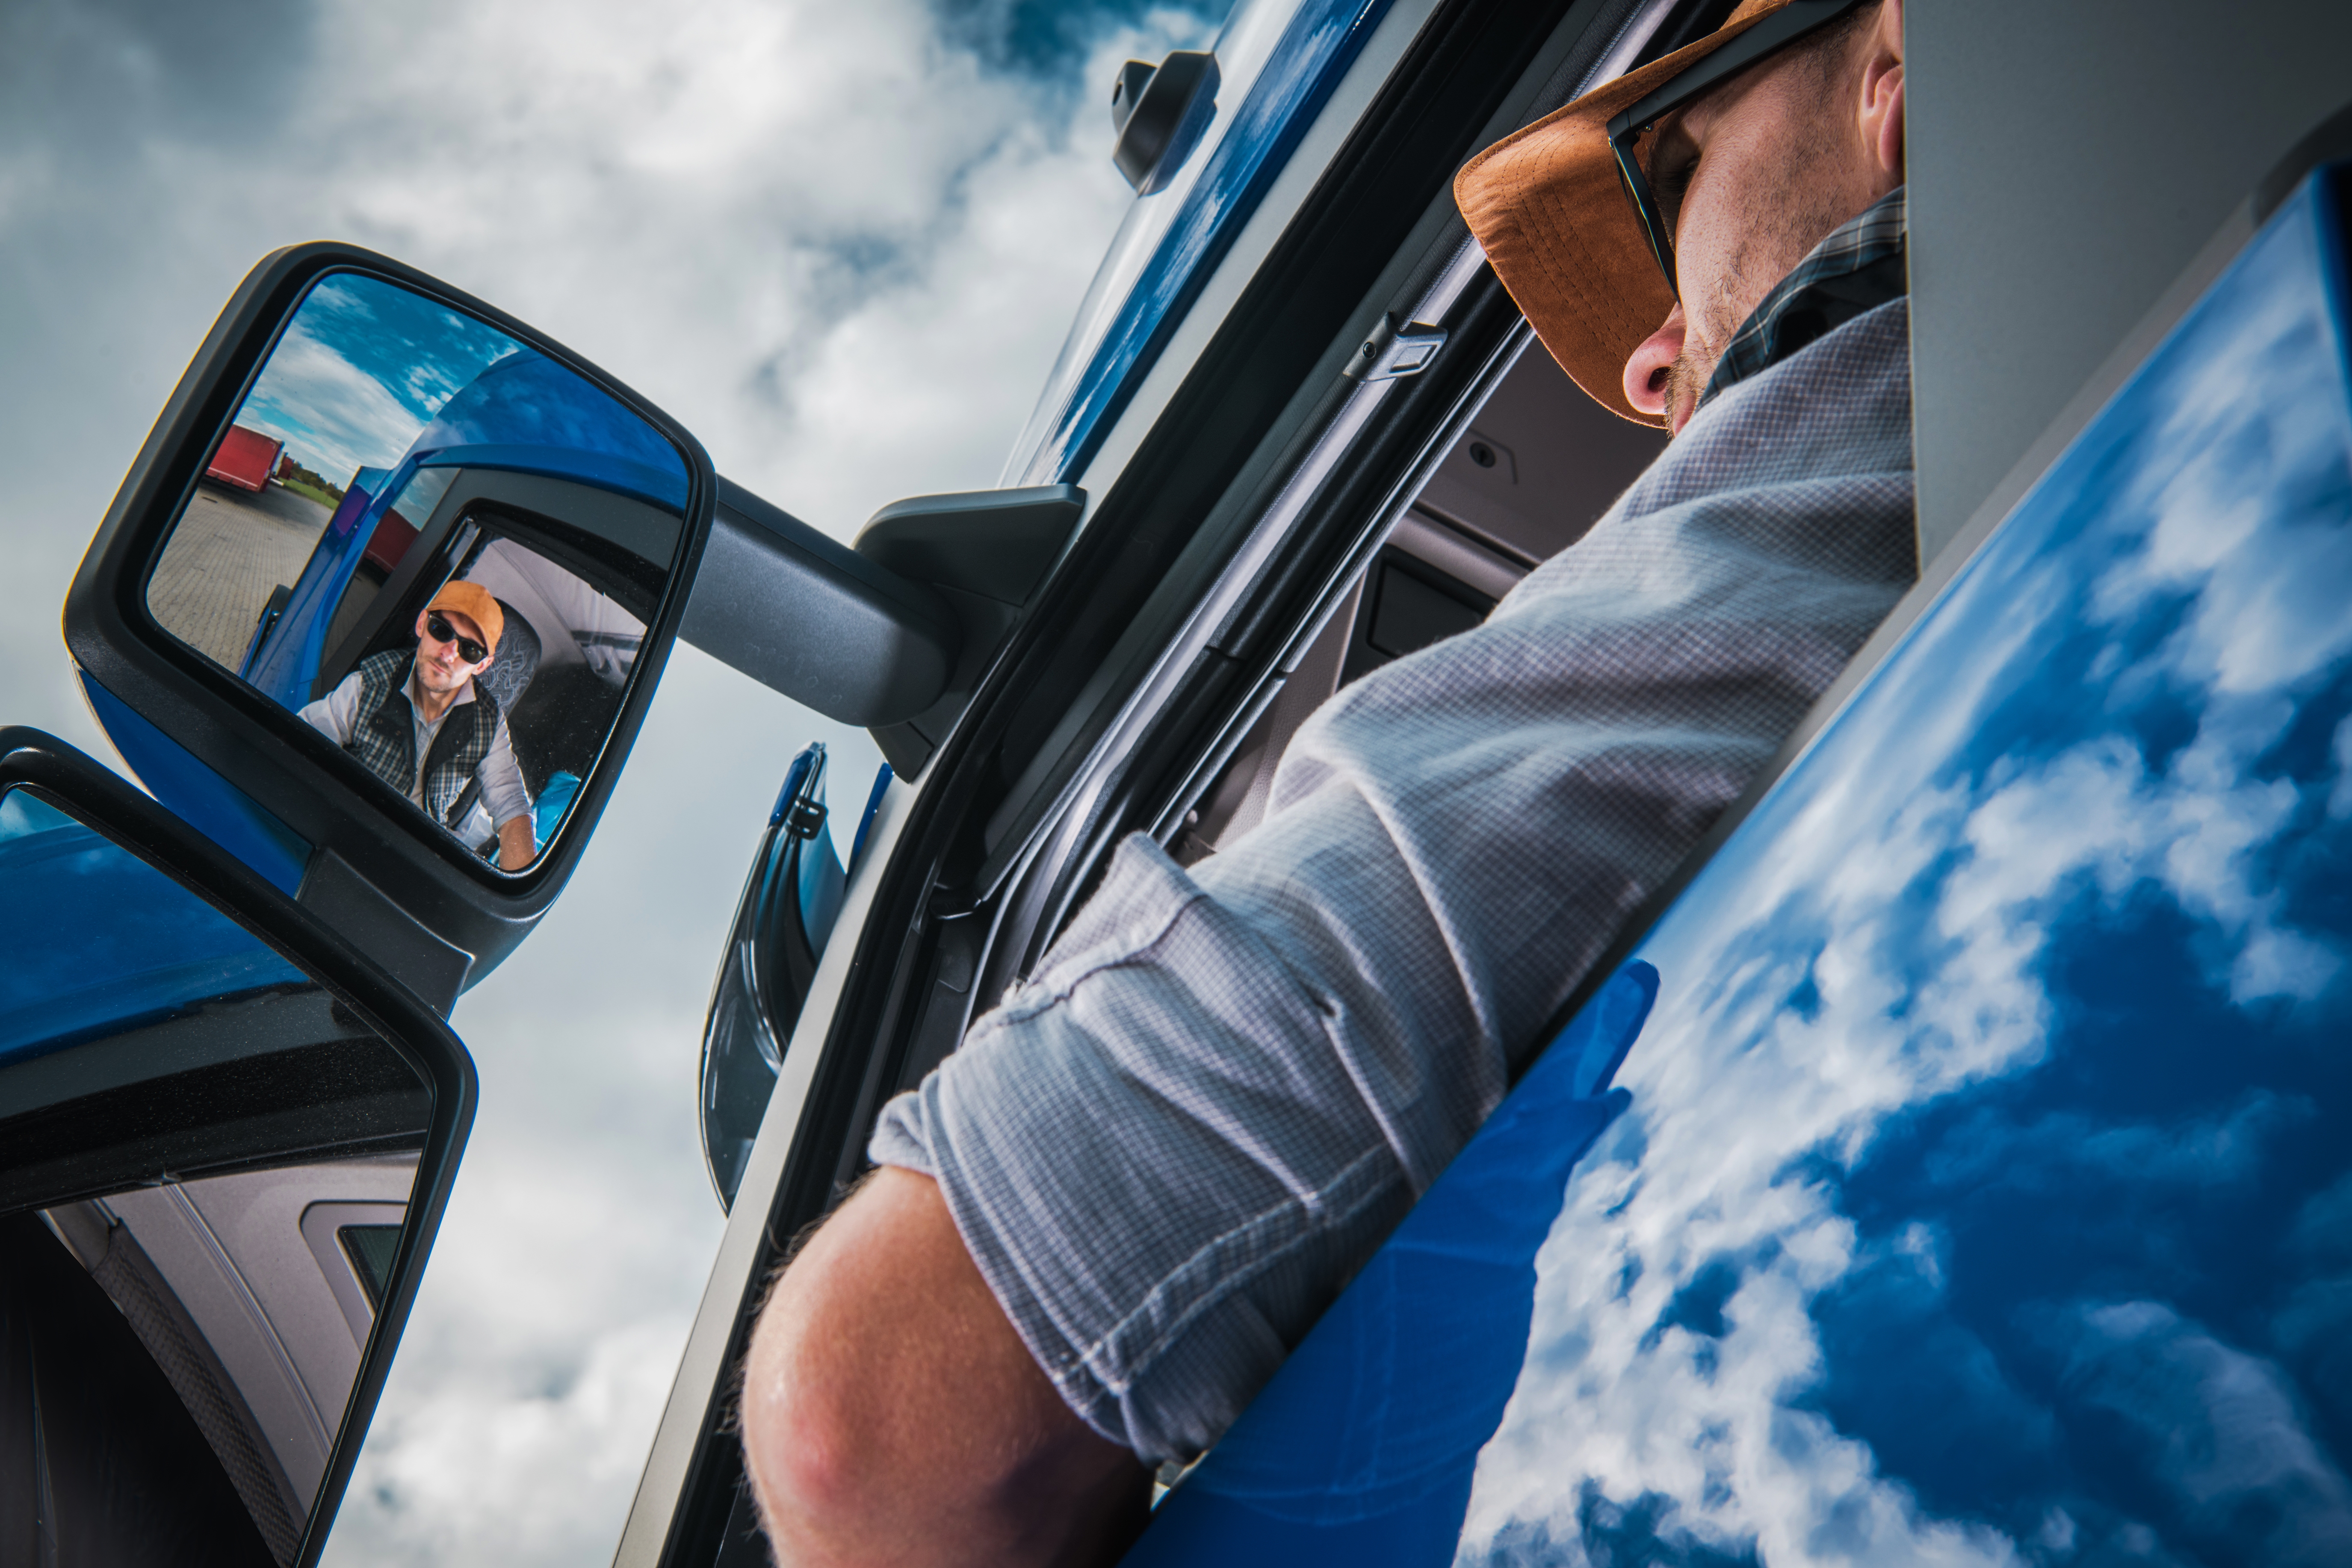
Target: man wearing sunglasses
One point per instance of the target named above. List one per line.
(1098, 1227)
(423, 725)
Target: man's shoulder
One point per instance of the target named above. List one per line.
(389, 665)
(1803, 469)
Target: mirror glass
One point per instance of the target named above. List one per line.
(439, 547)
(209, 1161)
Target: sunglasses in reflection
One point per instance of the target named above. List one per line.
(468, 650)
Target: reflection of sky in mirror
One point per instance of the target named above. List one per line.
(109, 942)
(1985, 1196)
(362, 368)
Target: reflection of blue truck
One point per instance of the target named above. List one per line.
(523, 415)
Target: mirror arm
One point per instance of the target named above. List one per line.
(811, 619)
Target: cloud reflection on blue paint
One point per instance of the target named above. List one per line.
(1985, 1196)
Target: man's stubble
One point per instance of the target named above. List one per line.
(1779, 224)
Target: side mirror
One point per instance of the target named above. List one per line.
(790, 900)
(381, 602)
(229, 1136)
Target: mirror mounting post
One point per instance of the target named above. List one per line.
(986, 553)
(434, 968)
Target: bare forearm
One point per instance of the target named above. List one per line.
(516, 849)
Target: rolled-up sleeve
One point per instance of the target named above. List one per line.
(333, 714)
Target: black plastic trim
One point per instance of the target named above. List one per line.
(810, 617)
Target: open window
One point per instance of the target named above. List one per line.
(1537, 467)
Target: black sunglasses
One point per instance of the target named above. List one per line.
(1766, 38)
(468, 650)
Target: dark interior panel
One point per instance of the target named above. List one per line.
(1540, 464)
(99, 1461)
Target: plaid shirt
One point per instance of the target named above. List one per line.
(1859, 267)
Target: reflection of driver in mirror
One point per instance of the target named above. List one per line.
(425, 725)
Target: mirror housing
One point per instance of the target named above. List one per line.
(242, 767)
(226, 1073)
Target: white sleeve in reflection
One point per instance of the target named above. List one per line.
(503, 791)
(335, 715)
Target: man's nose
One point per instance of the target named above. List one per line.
(1648, 370)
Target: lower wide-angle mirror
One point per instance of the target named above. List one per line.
(225, 1141)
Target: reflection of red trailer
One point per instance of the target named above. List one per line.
(390, 542)
(245, 459)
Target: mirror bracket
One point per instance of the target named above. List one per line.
(985, 553)
(434, 968)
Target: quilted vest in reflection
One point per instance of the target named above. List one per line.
(383, 734)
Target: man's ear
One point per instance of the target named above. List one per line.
(420, 619)
(1882, 90)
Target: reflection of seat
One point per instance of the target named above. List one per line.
(506, 680)
(516, 662)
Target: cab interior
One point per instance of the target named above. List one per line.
(1538, 466)
(560, 685)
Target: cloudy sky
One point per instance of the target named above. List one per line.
(839, 242)
(360, 370)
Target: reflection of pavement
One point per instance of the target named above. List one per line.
(230, 550)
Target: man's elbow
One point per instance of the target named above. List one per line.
(890, 1412)
(849, 1415)
(812, 1445)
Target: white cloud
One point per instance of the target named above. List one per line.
(333, 415)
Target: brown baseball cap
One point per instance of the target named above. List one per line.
(1550, 207)
(474, 602)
